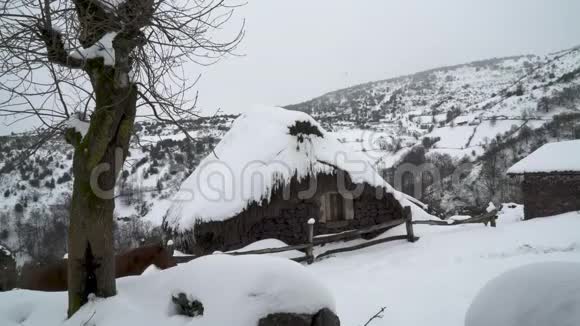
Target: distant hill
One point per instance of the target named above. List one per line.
(458, 114)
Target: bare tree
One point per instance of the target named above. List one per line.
(84, 68)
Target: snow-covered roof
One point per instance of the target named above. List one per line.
(256, 156)
(552, 157)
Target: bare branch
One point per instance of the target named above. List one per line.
(40, 79)
(378, 315)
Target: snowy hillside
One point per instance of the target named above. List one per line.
(465, 105)
(494, 110)
(455, 115)
(35, 186)
(433, 281)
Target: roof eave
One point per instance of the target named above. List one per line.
(543, 173)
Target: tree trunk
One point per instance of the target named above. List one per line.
(98, 158)
(91, 263)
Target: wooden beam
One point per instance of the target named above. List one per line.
(484, 218)
(434, 222)
(310, 235)
(347, 235)
(268, 250)
(184, 259)
(409, 223)
(362, 245)
(300, 259)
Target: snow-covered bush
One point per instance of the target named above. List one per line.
(532, 295)
(133, 231)
(234, 290)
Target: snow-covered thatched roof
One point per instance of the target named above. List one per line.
(552, 157)
(265, 147)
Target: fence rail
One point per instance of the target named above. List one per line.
(347, 235)
(362, 245)
(487, 218)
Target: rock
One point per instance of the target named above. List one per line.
(187, 307)
(286, 319)
(324, 317)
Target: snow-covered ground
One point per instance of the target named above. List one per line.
(433, 281)
(430, 282)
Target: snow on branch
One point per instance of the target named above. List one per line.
(103, 48)
(82, 127)
(111, 4)
(53, 40)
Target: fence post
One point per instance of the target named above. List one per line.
(409, 223)
(310, 248)
(170, 247)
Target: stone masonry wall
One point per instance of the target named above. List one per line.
(285, 219)
(8, 273)
(550, 194)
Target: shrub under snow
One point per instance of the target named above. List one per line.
(234, 290)
(538, 294)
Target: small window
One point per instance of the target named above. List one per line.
(334, 207)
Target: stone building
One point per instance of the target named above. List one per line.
(8, 272)
(551, 183)
(273, 171)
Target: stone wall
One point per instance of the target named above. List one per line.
(284, 217)
(550, 194)
(8, 272)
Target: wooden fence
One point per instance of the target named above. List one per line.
(487, 218)
(308, 247)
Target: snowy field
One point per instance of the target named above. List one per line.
(433, 281)
(430, 282)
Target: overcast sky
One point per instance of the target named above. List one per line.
(298, 49)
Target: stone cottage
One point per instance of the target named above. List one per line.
(551, 183)
(272, 171)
